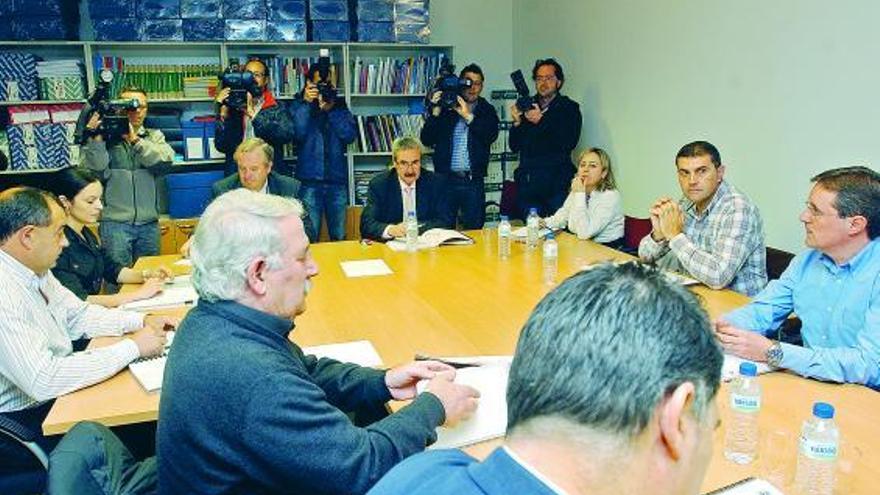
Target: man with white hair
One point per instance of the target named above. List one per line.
(243, 409)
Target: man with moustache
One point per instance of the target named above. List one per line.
(714, 233)
(406, 188)
(461, 138)
(243, 409)
(833, 287)
(545, 137)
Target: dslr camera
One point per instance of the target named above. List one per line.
(113, 113)
(525, 101)
(240, 82)
(450, 86)
(325, 85)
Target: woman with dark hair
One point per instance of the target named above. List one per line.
(83, 265)
(593, 208)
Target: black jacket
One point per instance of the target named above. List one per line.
(482, 132)
(272, 124)
(547, 146)
(83, 265)
(385, 205)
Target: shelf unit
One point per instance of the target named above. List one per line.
(220, 54)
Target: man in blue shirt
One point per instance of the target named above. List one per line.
(833, 287)
(612, 390)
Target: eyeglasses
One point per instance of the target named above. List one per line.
(258, 74)
(412, 164)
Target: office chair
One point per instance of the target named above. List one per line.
(28, 481)
(634, 229)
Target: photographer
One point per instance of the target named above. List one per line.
(261, 116)
(544, 136)
(323, 127)
(128, 167)
(461, 137)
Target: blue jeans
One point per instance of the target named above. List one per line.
(325, 199)
(125, 242)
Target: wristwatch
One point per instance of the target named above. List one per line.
(774, 354)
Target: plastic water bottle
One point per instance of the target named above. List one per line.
(551, 258)
(817, 456)
(741, 441)
(532, 226)
(504, 238)
(412, 232)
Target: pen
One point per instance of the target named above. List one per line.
(454, 364)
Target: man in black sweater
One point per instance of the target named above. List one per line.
(545, 136)
(243, 409)
(461, 138)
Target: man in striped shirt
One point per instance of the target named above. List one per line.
(714, 233)
(39, 318)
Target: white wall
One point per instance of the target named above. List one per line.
(482, 32)
(785, 89)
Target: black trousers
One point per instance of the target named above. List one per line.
(467, 195)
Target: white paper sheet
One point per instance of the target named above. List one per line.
(365, 268)
(360, 352)
(169, 297)
(730, 368)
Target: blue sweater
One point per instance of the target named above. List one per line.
(244, 411)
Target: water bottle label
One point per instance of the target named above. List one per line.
(745, 403)
(819, 451)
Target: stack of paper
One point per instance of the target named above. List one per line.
(360, 352)
(150, 372)
(169, 297)
(730, 368)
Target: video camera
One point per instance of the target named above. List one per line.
(525, 100)
(325, 85)
(240, 82)
(113, 113)
(450, 86)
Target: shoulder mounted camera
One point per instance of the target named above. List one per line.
(450, 86)
(240, 82)
(113, 113)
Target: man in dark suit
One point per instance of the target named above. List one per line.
(254, 160)
(393, 194)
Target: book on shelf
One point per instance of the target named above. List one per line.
(362, 180)
(389, 75)
(377, 132)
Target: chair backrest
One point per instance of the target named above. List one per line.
(777, 262)
(20, 441)
(508, 199)
(634, 229)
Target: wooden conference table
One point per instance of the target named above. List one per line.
(464, 300)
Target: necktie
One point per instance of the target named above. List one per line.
(409, 206)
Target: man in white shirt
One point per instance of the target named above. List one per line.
(405, 188)
(39, 318)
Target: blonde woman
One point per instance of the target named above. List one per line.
(592, 209)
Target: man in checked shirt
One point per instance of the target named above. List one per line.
(714, 233)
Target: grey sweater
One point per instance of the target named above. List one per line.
(129, 175)
(243, 410)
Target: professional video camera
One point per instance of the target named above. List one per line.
(325, 85)
(240, 82)
(525, 100)
(450, 86)
(114, 120)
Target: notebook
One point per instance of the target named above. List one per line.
(490, 419)
(149, 371)
(172, 295)
(433, 238)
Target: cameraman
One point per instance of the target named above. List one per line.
(461, 138)
(544, 136)
(128, 167)
(323, 128)
(262, 117)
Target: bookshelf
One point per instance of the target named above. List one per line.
(151, 62)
